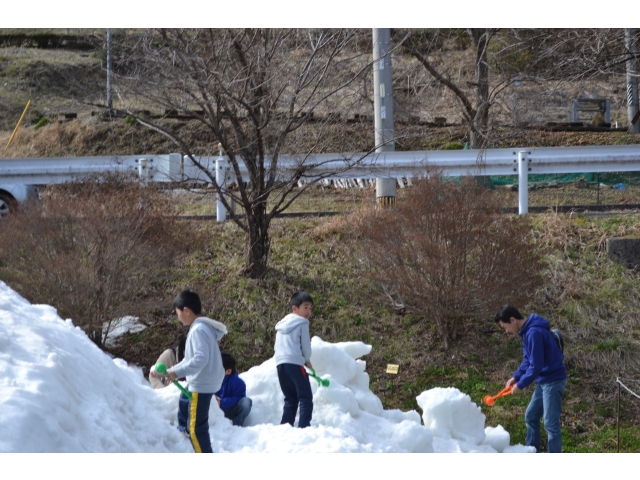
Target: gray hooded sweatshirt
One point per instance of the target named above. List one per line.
(202, 363)
(292, 340)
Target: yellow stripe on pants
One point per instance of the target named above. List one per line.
(192, 422)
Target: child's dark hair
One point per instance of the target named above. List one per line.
(188, 298)
(228, 362)
(505, 313)
(299, 298)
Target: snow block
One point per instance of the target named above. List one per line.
(449, 413)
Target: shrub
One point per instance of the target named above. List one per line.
(448, 253)
(91, 249)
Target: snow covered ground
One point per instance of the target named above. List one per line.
(60, 393)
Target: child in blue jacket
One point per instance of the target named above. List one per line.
(542, 362)
(232, 396)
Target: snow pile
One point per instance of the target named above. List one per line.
(348, 416)
(60, 393)
(457, 424)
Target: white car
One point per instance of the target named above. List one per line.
(11, 195)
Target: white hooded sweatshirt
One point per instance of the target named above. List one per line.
(202, 363)
(292, 340)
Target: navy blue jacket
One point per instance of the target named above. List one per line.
(543, 360)
(232, 390)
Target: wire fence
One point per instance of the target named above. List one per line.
(576, 189)
(550, 190)
(631, 392)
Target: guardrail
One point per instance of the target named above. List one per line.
(499, 161)
(502, 161)
(39, 171)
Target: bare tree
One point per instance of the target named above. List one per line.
(447, 253)
(546, 67)
(252, 90)
(475, 111)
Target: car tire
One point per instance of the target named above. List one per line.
(7, 204)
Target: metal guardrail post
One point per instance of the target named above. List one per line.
(523, 183)
(221, 171)
(143, 169)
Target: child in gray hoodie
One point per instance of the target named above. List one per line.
(202, 365)
(292, 354)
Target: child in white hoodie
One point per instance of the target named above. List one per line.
(292, 353)
(202, 365)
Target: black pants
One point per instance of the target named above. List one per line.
(295, 385)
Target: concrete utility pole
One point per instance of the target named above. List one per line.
(383, 108)
(109, 72)
(632, 81)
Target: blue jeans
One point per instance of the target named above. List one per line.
(296, 388)
(194, 416)
(238, 413)
(546, 403)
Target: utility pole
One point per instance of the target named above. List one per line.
(109, 72)
(632, 81)
(383, 108)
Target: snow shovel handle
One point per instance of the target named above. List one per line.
(321, 381)
(505, 390)
(489, 400)
(161, 368)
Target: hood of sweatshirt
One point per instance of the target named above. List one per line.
(534, 320)
(213, 323)
(290, 322)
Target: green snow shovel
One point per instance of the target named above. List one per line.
(161, 368)
(321, 381)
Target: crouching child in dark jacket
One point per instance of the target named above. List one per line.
(232, 396)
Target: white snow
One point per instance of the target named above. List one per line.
(60, 393)
(120, 327)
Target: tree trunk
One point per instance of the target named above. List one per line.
(480, 123)
(259, 242)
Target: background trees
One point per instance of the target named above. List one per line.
(475, 111)
(516, 76)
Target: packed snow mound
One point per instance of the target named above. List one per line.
(449, 413)
(348, 414)
(60, 393)
(457, 424)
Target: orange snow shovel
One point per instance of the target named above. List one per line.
(489, 400)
